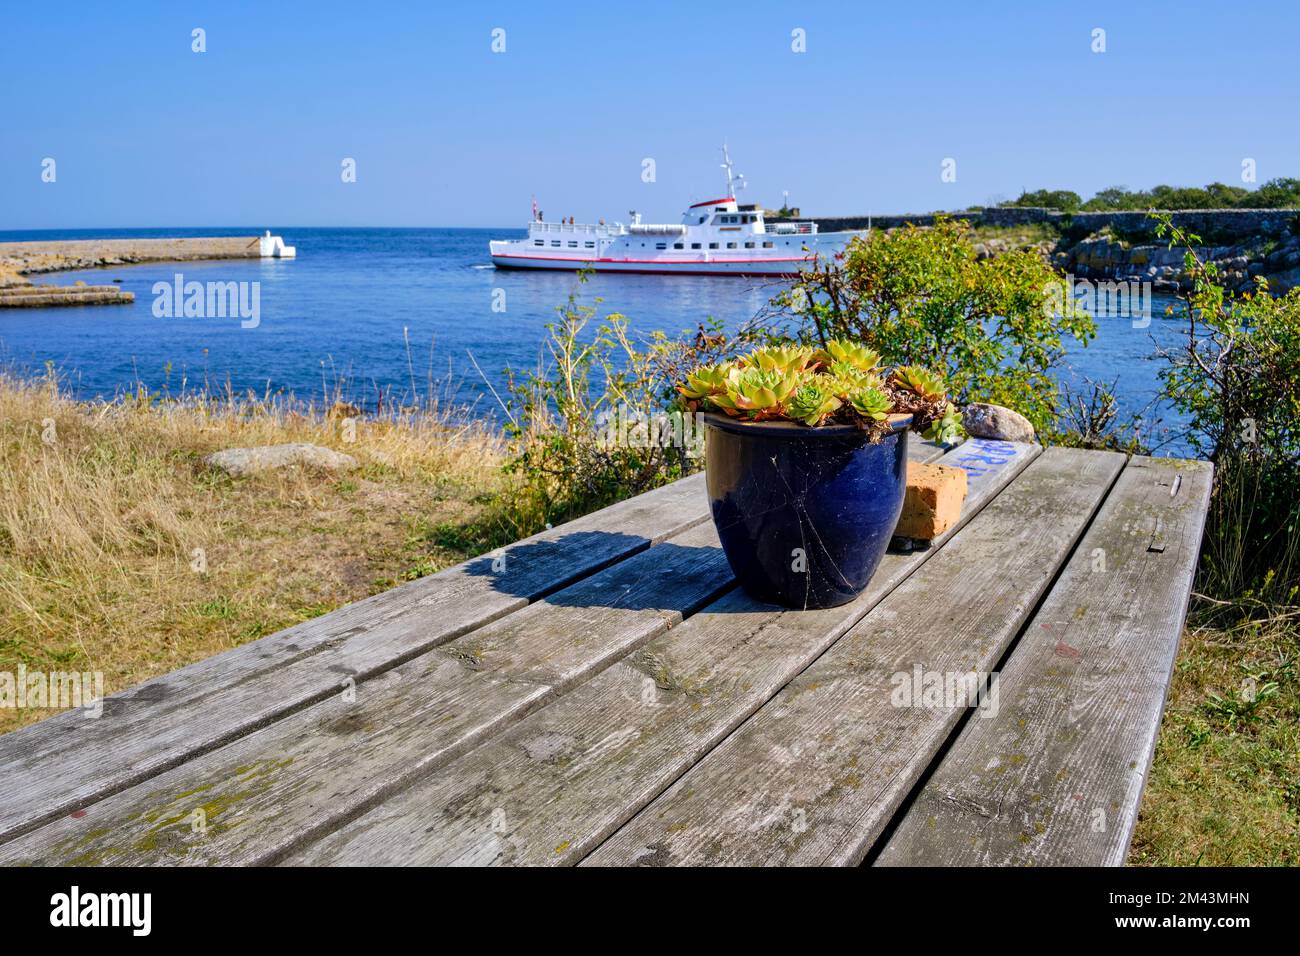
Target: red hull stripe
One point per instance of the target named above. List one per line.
(656, 262)
(735, 273)
(713, 202)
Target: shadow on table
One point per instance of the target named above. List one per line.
(605, 569)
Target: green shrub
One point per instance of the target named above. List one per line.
(1237, 378)
(993, 327)
(1066, 200)
(1282, 193)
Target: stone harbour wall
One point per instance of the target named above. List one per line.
(31, 258)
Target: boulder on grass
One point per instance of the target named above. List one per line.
(982, 420)
(242, 462)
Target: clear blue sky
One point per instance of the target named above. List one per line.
(446, 133)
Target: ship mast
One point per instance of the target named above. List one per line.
(734, 182)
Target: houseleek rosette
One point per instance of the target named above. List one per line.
(840, 383)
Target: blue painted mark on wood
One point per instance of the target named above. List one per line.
(982, 456)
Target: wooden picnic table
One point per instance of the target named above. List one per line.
(603, 693)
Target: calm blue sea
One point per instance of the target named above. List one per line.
(344, 309)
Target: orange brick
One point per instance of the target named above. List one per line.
(933, 501)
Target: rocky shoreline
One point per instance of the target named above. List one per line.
(1123, 246)
(1108, 258)
(1105, 257)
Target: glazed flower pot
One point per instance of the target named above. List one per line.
(804, 514)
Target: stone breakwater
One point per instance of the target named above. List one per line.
(21, 259)
(40, 296)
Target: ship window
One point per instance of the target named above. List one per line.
(538, 242)
(702, 218)
(590, 245)
(695, 245)
(749, 245)
(678, 245)
(555, 242)
(573, 244)
(661, 245)
(731, 245)
(767, 245)
(713, 245)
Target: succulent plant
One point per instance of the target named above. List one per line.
(782, 360)
(871, 403)
(947, 428)
(760, 392)
(920, 382)
(811, 402)
(848, 378)
(705, 381)
(852, 353)
(840, 384)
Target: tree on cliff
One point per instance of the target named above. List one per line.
(1280, 193)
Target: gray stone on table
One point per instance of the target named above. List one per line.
(983, 420)
(241, 462)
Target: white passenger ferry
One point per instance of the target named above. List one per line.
(715, 237)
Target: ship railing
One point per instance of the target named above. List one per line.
(792, 228)
(586, 228)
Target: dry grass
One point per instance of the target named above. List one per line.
(104, 509)
(1225, 785)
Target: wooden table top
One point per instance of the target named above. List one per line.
(603, 693)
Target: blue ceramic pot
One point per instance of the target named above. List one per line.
(804, 514)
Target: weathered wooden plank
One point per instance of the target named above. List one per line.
(918, 449)
(1054, 777)
(308, 772)
(815, 774)
(552, 787)
(64, 762)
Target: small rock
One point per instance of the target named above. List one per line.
(242, 462)
(996, 421)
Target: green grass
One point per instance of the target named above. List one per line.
(1225, 785)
